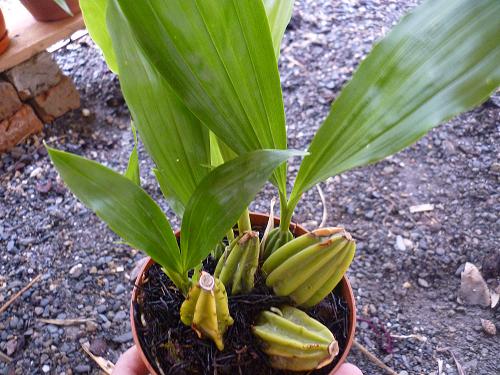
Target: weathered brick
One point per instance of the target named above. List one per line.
(34, 76)
(9, 101)
(57, 100)
(17, 127)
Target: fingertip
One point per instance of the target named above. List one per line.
(348, 369)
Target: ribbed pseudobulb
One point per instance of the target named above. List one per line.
(309, 267)
(237, 266)
(275, 240)
(295, 341)
(206, 309)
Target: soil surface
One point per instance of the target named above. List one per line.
(406, 273)
(159, 302)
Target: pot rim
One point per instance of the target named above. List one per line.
(345, 284)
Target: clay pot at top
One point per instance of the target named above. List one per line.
(48, 10)
(4, 38)
(258, 220)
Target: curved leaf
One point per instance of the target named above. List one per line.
(220, 199)
(94, 16)
(220, 62)
(176, 140)
(279, 13)
(441, 60)
(127, 209)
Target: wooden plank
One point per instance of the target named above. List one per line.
(29, 37)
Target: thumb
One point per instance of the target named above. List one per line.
(348, 369)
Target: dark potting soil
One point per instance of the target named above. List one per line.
(175, 348)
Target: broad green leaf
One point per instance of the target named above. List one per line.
(176, 140)
(279, 13)
(220, 199)
(442, 59)
(219, 59)
(127, 209)
(132, 172)
(94, 16)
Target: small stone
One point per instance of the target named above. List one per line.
(38, 310)
(85, 112)
(122, 339)
(423, 283)
(45, 368)
(11, 346)
(120, 316)
(407, 285)
(93, 270)
(369, 214)
(82, 369)
(91, 326)
(98, 347)
(76, 271)
(400, 244)
(489, 327)
(35, 173)
(120, 289)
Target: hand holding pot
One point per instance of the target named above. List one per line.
(130, 363)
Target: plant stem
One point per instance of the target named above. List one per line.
(181, 281)
(244, 224)
(230, 235)
(287, 211)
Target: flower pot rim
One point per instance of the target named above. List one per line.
(261, 218)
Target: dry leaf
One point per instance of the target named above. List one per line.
(421, 208)
(489, 327)
(473, 288)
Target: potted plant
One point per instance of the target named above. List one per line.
(4, 37)
(202, 84)
(51, 10)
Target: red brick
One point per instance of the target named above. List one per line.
(19, 126)
(57, 100)
(9, 101)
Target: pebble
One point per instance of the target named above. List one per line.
(120, 316)
(122, 339)
(38, 310)
(46, 368)
(120, 289)
(81, 369)
(423, 283)
(400, 244)
(76, 271)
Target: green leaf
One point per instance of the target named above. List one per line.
(219, 59)
(127, 209)
(441, 60)
(62, 4)
(279, 13)
(94, 16)
(132, 172)
(176, 140)
(220, 199)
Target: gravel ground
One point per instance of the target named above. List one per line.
(406, 271)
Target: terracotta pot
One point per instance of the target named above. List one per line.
(261, 221)
(48, 10)
(4, 38)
